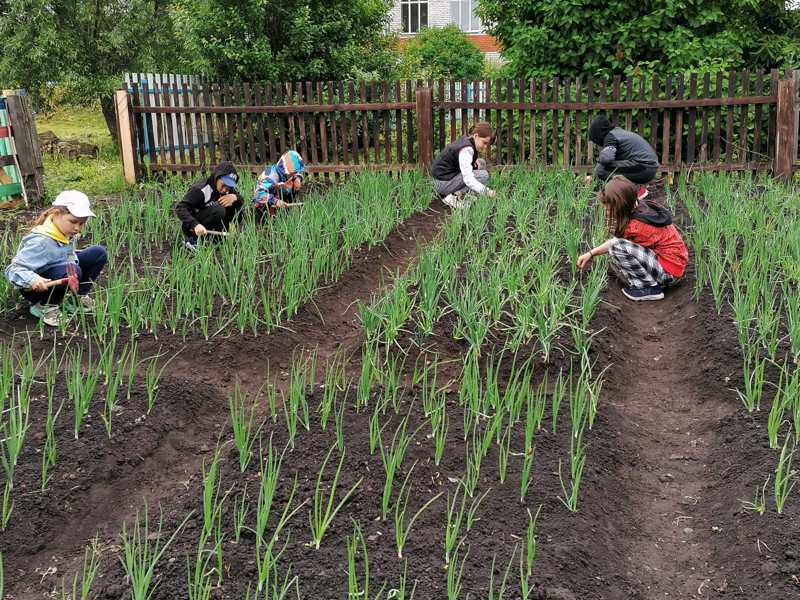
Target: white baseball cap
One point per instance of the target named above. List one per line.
(77, 203)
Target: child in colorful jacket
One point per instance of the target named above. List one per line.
(278, 183)
(646, 248)
(40, 264)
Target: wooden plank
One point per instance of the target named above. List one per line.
(556, 136)
(323, 127)
(464, 113)
(629, 97)
(510, 123)
(343, 126)
(758, 118)
(212, 145)
(730, 144)
(772, 116)
(679, 122)
(126, 142)
(425, 127)
(642, 116)
(442, 116)
(398, 122)
(178, 122)
(589, 117)
(387, 126)
(250, 124)
(351, 89)
(691, 133)
(567, 129)
(312, 127)
(615, 95)
(282, 123)
(409, 124)
(262, 151)
(191, 138)
(704, 149)
(238, 124)
(786, 124)
(654, 113)
(578, 123)
(718, 120)
(452, 111)
(140, 125)
(364, 121)
(334, 154)
(301, 121)
(488, 113)
(271, 124)
(158, 124)
(744, 134)
(376, 142)
(666, 123)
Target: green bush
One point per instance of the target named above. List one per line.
(441, 53)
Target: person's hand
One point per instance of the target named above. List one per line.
(584, 259)
(226, 200)
(280, 203)
(200, 230)
(491, 193)
(40, 284)
(588, 179)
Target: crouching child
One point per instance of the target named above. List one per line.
(210, 204)
(647, 249)
(278, 184)
(48, 254)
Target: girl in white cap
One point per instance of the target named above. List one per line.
(43, 256)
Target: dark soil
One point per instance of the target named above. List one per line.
(659, 514)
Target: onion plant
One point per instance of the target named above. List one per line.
(455, 518)
(528, 555)
(242, 424)
(402, 524)
(392, 458)
(785, 476)
(81, 588)
(81, 385)
(455, 574)
(323, 510)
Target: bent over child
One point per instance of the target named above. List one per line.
(458, 169)
(45, 257)
(278, 184)
(646, 248)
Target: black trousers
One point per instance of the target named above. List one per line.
(637, 173)
(214, 217)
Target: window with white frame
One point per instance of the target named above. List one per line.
(462, 13)
(414, 15)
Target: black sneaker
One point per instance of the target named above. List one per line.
(654, 292)
(190, 243)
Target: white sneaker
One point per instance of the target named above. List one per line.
(455, 201)
(86, 302)
(49, 314)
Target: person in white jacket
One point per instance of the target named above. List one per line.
(458, 169)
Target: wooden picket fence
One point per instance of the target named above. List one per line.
(736, 121)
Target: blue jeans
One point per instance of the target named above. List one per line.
(90, 263)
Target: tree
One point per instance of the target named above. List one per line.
(442, 53)
(543, 38)
(315, 40)
(82, 47)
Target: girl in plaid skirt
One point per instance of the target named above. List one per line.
(646, 248)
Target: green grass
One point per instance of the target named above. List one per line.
(96, 177)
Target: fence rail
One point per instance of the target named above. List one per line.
(725, 121)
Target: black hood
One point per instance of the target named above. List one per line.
(599, 129)
(652, 214)
(223, 168)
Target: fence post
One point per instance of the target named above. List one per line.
(425, 128)
(26, 140)
(122, 107)
(787, 125)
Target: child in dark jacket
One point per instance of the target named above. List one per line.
(278, 184)
(458, 169)
(646, 247)
(210, 204)
(622, 152)
(41, 264)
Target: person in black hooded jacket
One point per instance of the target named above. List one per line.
(622, 152)
(210, 204)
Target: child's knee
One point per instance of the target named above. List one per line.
(482, 176)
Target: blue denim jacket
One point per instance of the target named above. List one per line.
(36, 254)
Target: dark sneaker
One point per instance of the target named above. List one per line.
(190, 244)
(653, 292)
(642, 194)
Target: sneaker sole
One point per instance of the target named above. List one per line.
(659, 296)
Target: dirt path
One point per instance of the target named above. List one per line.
(671, 407)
